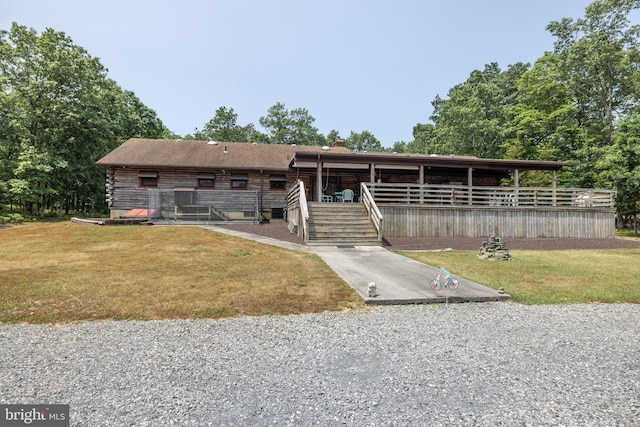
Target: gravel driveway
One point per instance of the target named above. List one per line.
(483, 364)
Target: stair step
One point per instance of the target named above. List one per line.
(340, 223)
(367, 235)
(338, 242)
(340, 229)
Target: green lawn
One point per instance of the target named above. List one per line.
(550, 277)
(58, 272)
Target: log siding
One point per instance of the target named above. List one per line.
(124, 192)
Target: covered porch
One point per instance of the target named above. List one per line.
(328, 172)
(452, 196)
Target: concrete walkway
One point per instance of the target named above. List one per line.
(398, 279)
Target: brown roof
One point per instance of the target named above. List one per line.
(169, 153)
(399, 159)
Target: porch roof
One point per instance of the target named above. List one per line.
(304, 159)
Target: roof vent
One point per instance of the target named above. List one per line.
(326, 147)
(212, 142)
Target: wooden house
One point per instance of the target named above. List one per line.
(401, 195)
(181, 179)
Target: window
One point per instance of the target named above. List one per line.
(239, 181)
(206, 180)
(148, 179)
(206, 183)
(277, 182)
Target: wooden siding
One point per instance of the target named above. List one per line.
(481, 196)
(475, 222)
(124, 192)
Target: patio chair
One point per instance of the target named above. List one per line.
(347, 195)
(327, 198)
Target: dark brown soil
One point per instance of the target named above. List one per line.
(277, 229)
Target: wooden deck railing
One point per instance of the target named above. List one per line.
(374, 213)
(478, 196)
(298, 211)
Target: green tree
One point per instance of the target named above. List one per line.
(258, 137)
(133, 119)
(600, 60)
(620, 165)
(399, 147)
(474, 120)
(331, 137)
(363, 141)
(544, 121)
(224, 127)
(60, 113)
(424, 141)
(290, 127)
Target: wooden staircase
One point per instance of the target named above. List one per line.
(340, 224)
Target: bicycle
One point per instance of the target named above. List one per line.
(443, 278)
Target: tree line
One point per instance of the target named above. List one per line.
(282, 126)
(579, 102)
(59, 113)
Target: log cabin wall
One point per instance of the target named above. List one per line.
(125, 193)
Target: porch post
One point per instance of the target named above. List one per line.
(372, 178)
(470, 184)
(554, 181)
(319, 180)
(516, 184)
(421, 182)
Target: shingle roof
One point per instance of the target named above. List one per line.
(449, 162)
(161, 153)
(169, 153)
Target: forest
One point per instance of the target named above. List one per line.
(578, 102)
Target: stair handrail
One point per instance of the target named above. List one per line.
(372, 209)
(298, 217)
(304, 212)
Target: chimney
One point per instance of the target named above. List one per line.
(339, 142)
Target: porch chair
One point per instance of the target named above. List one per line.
(347, 195)
(326, 198)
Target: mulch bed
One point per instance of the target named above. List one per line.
(277, 229)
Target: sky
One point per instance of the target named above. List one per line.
(354, 65)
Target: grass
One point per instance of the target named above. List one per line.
(550, 277)
(627, 233)
(61, 272)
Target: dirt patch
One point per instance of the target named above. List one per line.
(467, 244)
(278, 229)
